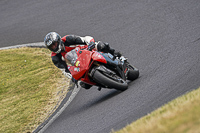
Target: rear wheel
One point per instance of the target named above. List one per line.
(110, 81)
(133, 73)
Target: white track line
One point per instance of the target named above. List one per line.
(39, 44)
(72, 96)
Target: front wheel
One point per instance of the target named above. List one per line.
(110, 81)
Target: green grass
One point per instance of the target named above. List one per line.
(29, 86)
(181, 115)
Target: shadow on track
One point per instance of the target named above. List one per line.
(105, 97)
(93, 102)
(109, 95)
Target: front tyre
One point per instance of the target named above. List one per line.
(110, 81)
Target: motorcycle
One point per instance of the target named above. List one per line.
(102, 69)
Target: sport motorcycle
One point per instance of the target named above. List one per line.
(102, 69)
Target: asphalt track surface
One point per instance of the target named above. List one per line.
(160, 37)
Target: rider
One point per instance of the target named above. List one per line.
(60, 46)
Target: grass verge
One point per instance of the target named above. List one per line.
(30, 87)
(181, 115)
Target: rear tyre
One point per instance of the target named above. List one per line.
(110, 82)
(133, 73)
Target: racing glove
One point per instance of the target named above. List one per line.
(75, 82)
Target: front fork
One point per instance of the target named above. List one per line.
(124, 62)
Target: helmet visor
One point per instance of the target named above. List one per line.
(54, 46)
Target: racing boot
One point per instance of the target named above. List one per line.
(105, 47)
(115, 53)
